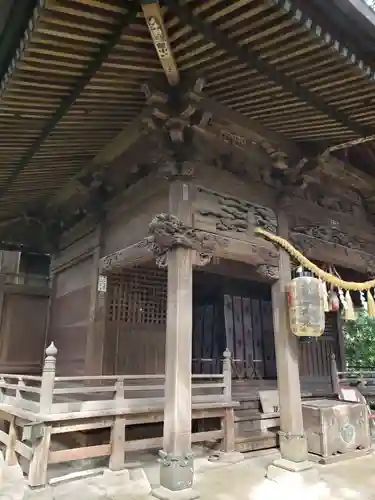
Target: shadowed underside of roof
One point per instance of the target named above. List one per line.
(75, 81)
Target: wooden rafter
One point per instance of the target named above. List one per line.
(252, 130)
(155, 22)
(252, 60)
(69, 100)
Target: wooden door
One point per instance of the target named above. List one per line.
(136, 321)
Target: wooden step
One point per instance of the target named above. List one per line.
(255, 440)
(242, 415)
(244, 425)
(248, 404)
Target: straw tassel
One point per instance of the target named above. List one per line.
(325, 297)
(370, 304)
(363, 300)
(349, 311)
(333, 301)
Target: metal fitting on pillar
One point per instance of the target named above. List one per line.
(176, 472)
(293, 447)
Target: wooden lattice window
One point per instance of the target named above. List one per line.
(138, 295)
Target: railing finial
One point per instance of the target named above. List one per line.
(227, 354)
(48, 379)
(51, 350)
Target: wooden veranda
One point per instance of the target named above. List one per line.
(160, 135)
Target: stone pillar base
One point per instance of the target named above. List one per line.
(165, 494)
(44, 493)
(283, 470)
(176, 472)
(232, 457)
(293, 447)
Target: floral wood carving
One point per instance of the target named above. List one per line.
(168, 232)
(269, 272)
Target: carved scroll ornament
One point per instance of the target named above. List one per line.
(168, 232)
(269, 272)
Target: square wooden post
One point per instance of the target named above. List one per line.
(176, 460)
(96, 330)
(293, 444)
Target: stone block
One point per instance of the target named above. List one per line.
(281, 471)
(164, 494)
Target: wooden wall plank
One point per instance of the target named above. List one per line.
(207, 337)
(257, 332)
(239, 353)
(197, 338)
(248, 335)
(70, 316)
(229, 325)
(268, 340)
(216, 344)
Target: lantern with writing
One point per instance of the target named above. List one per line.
(306, 307)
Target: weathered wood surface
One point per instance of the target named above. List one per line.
(87, 407)
(253, 252)
(70, 316)
(136, 254)
(24, 317)
(327, 222)
(292, 439)
(179, 331)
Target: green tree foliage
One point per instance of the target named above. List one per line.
(359, 338)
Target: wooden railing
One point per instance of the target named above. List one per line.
(363, 379)
(36, 280)
(39, 408)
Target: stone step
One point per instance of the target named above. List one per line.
(256, 440)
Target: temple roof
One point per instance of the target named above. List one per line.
(74, 82)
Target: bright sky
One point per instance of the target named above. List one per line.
(371, 4)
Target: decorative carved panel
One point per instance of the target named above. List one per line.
(333, 232)
(231, 216)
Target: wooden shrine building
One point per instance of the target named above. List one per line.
(141, 144)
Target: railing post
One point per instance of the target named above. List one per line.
(48, 379)
(227, 374)
(20, 386)
(2, 390)
(227, 423)
(334, 375)
(117, 458)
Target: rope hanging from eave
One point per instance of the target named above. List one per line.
(352, 286)
(331, 279)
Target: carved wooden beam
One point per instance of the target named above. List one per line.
(133, 255)
(167, 232)
(155, 22)
(334, 253)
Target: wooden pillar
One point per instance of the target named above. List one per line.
(96, 331)
(293, 445)
(176, 463)
(3, 341)
(340, 342)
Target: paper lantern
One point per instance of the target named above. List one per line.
(306, 307)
